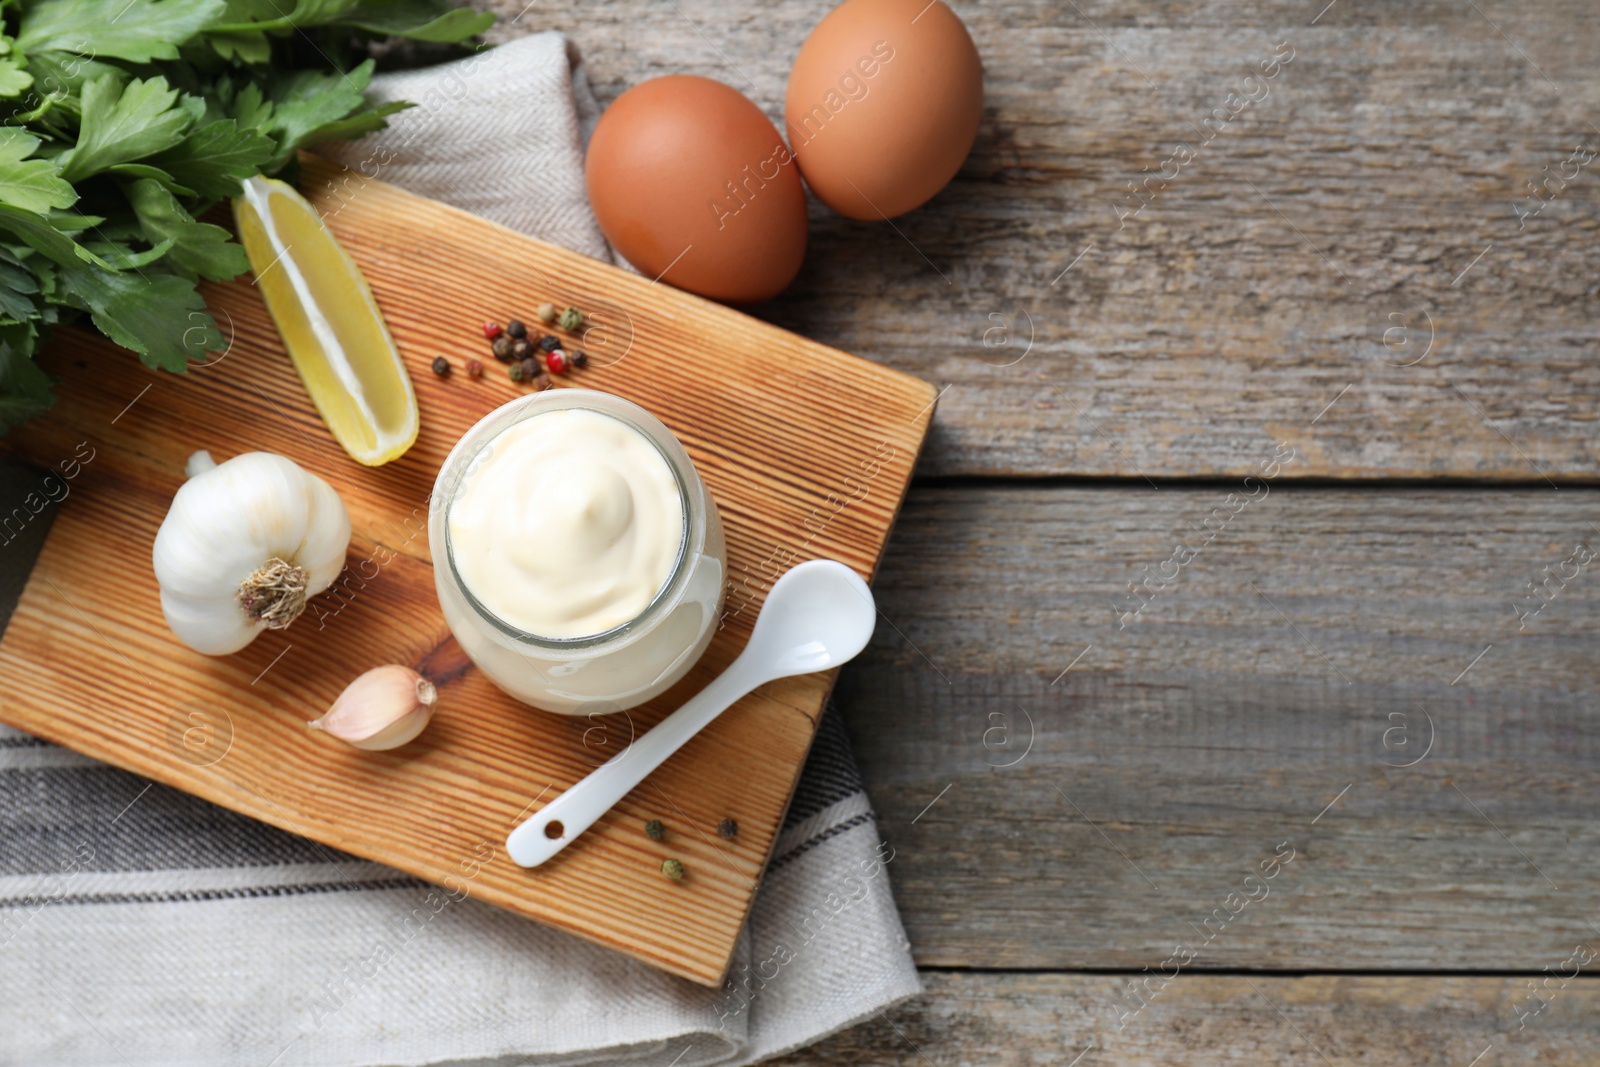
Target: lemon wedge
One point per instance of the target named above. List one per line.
(329, 322)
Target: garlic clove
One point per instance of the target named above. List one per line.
(199, 463)
(211, 627)
(384, 708)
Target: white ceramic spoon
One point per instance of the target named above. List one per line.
(818, 615)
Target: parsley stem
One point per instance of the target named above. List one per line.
(248, 27)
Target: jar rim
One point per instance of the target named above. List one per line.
(486, 430)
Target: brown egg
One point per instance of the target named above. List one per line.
(692, 184)
(883, 105)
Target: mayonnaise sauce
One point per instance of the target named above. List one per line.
(568, 524)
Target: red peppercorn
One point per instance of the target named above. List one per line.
(556, 361)
(491, 330)
(474, 369)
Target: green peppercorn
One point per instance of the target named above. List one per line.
(517, 372)
(672, 869)
(516, 329)
(654, 830)
(571, 320)
(441, 366)
(501, 348)
(546, 313)
(727, 829)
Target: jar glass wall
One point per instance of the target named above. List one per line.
(622, 666)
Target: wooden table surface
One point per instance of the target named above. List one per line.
(1347, 665)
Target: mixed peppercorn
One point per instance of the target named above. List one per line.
(521, 351)
(674, 869)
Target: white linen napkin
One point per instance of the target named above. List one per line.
(142, 926)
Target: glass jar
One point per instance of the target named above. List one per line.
(620, 667)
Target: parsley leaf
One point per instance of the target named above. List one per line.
(159, 316)
(143, 170)
(197, 247)
(358, 124)
(125, 122)
(58, 79)
(18, 288)
(308, 100)
(47, 236)
(134, 30)
(14, 81)
(247, 46)
(31, 184)
(122, 257)
(24, 388)
(215, 158)
(422, 20)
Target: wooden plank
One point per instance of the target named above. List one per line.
(807, 451)
(1008, 1020)
(1261, 284)
(1274, 693)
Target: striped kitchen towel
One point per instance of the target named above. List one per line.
(142, 926)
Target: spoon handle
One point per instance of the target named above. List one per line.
(559, 822)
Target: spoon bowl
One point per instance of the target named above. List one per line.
(817, 616)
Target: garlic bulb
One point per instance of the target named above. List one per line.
(244, 546)
(384, 708)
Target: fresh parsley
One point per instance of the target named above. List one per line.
(122, 121)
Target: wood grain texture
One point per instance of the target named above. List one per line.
(1023, 1020)
(799, 469)
(1262, 282)
(1339, 670)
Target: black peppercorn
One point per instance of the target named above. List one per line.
(520, 348)
(530, 369)
(501, 348)
(516, 329)
(654, 830)
(549, 342)
(727, 829)
(580, 358)
(441, 366)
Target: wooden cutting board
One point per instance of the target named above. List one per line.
(807, 451)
